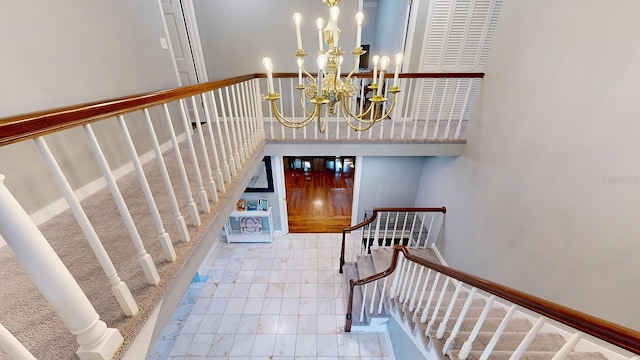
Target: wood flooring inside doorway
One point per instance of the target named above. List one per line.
(318, 201)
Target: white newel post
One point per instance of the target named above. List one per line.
(165, 239)
(118, 287)
(145, 260)
(54, 281)
(12, 347)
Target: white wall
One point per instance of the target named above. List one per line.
(237, 34)
(390, 27)
(546, 195)
(65, 53)
(388, 181)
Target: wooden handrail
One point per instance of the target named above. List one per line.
(28, 126)
(349, 229)
(472, 75)
(610, 332)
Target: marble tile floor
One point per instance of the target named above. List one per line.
(275, 301)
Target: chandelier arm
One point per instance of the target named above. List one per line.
(355, 68)
(357, 126)
(289, 123)
(358, 117)
(303, 105)
(393, 105)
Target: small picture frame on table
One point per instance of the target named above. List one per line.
(263, 204)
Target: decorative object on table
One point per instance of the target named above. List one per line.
(241, 205)
(262, 180)
(263, 204)
(250, 225)
(252, 205)
(328, 88)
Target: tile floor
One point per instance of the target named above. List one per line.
(283, 300)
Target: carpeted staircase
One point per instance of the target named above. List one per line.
(424, 331)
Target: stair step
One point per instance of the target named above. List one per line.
(509, 341)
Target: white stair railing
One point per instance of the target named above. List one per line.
(230, 149)
(408, 280)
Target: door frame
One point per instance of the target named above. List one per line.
(191, 28)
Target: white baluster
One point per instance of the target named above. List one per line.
(406, 288)
(464, 109)
(243, 122)
(54, 281)
(146, 263)
(396, 277)
(456, 328)
(253, 115)
(282, 107)
(445, 320)
(237, 142)
(382, 294)
(442, 103)
(426, 241)
(416, 109)
(422, 292)
(242, 139)
(364, 300)
(453, 107)
(528, 339)
(12, 347)
(118, 287)
(436, 310)
(467, 346)
(373, 297)
(216, 158)
(405, 115)
(247, 116)
(404, 229)
(376, 238)
(258, 107)
(413, 228)
(205, 155)
(425, 312)
(232, 146)
(247, 121)
(179, 219)
(412, 303)
(568, 346)
(204, 199)
(191, 204)
(395, 225)
(165, 239)
(434, 91)
(403, 292)
(226, 172)
(496, 335)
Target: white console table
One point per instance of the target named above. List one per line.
(246, 229)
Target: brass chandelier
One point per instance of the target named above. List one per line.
(328, 88)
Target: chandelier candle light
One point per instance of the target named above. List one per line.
(328, 88)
